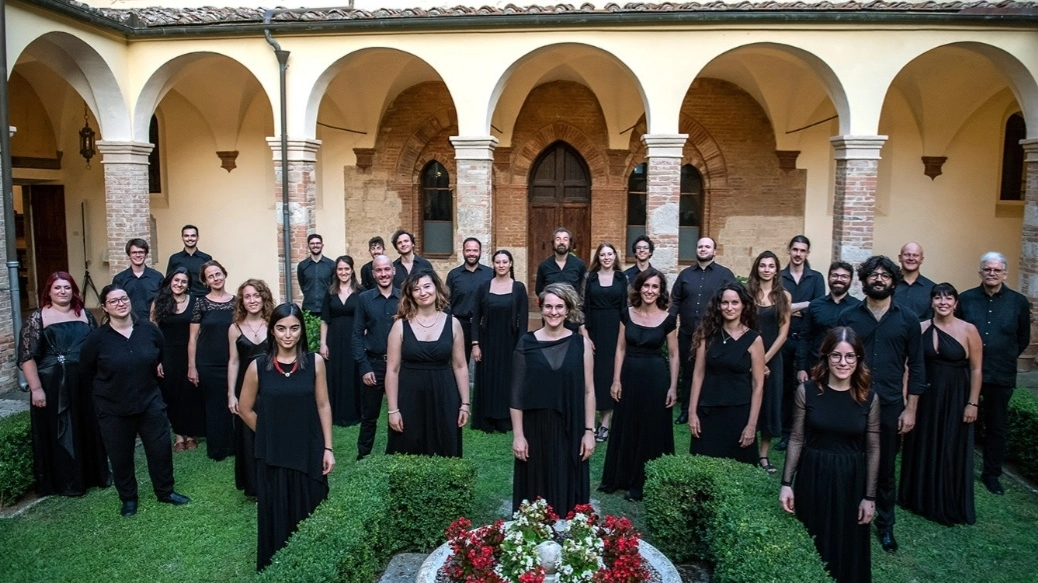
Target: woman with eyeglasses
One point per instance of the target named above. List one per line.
(832, 463)
(122, 360)
(207, 355)
(937, 458)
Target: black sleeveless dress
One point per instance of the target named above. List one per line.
(499, 322)
(244, 438)
(724, 399)
(211, 354)
(343, 381)
(937, 459)
(427, 396)
(769, 422)
(604, 307)
(184, 404)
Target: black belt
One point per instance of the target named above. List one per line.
(374, 355)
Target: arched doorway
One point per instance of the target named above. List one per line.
(560, 196)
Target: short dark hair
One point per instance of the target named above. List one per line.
(562, 230)
(139, 243)
(877, 262)
(646, 239)
(800, 239)
(944, 289)
(398, 234)
(186, 227)
(478, 242)
(841, 265)
(376, 240)
(313, 236)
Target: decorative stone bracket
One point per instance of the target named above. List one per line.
(932, 165)
(227, 159)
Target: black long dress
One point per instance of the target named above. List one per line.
(498, 323)
(343, 380)
(832, 463)
(769, 422)
(289, 454)
(184, 404)
(245, 438)
(67, 452)
(937, 459)
(641, 429)
(211, 354)
(603, 307)
(427, 396)
(724, 399)
(549, 389)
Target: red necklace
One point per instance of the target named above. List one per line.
(295, 367)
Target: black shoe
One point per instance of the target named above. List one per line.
(634, 495)
(887, 540)
(361, 456)
(174, 499)
(605, 489)
(993, 486)
(782, 444)
(682, 419)
(129, 508)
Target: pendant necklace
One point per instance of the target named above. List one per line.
(295, 366)
(255, 332)
(725, 337)
(435, 318)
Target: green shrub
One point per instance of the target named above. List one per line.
(16, 475)
(388, 504)
(727, 513)
(1022, 439)
(313, 331)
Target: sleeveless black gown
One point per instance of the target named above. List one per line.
(497, 340)
(211, 354)
(184, 404)
(769, 422)
(343, 381)
(603, 307)
(245, 438)
(724, 399)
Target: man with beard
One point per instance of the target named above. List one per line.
(892, 340)
(562, 266)
(643, 248)
(689, 297)
(376, 309)
(1003, 318)
(821, 316)
(191, 259)
(376, 247)
(314, 274)
(913, 292)
(463, 283)
(408, 261)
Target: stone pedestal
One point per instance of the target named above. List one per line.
(127, 200)
(302, 203)
(854, 200)
(663, 198)
(474, 157)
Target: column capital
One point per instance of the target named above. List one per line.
(664, 145)
(124, 152)
(857, 147)
(298, 150)
(474, 147)
(1030, 146)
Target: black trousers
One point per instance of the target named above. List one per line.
(996, 422)
(687, 366)
(371, 406)
(119, 433)
(889, 444)
(790, 366)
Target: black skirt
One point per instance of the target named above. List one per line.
(552, 470)
(720, 428)
(285, 498)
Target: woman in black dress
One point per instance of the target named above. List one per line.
(246, 339)
(67, 454)
(427, 377)
(553, 407)
(122, 360)
(284, 399)
(937, 459)
(207, 356)
(500, 319)
(728, 378)
(337, 311)
(185, 407)
(773, 308)
(644, 386)
(833, 457)
(605, 298)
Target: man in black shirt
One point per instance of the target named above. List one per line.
(463, 282)
(562, 266)
(315, 275)
(913, 292)
(141, 282)
(371, 324)
(892, 340)
(190, 259)
(408, 261)
(1003, 318)
(643, 248)
(376, 247)
(691, 293)
(821, 316)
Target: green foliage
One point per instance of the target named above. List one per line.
(16, 476)
(387, 504)
(726, 513)
(313, 331)
(1023, 433)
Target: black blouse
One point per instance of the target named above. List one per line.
(123, 371)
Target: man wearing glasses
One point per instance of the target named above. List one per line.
(821, 316)
(1003, 318)
(643, 248)
(141, 282)
(892, 340)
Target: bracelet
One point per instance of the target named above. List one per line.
(464, 404)
(591, 429)
(972, 403)
(327, 449)
(393, 411)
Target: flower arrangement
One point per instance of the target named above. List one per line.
(589, 550)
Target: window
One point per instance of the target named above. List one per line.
(637, 187)
(690, 214)
(1013, 178)
(437, 214)
(154, 166)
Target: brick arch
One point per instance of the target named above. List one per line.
(527, 153)
(701, 150)
(423, 136)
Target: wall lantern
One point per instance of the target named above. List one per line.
(86, 138)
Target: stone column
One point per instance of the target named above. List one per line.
(302, 204)
(1028, 279)
(8, 346)
(854, 200)
(127, 197)
(474, 156)
(663, 198)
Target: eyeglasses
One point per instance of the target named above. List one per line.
(138, 252)
(642, 248)
(881, 275)
(118, 301)
(994, 270)
(840, 277)
(836, 357)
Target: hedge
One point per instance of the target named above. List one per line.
(1023, 433)
(727, 514)
(388, 504)
(16, 474)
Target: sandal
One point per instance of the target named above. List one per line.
(190, 443)
(179, 447)
(766, 465)
(602, 434)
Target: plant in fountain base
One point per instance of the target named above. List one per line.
(591, 552)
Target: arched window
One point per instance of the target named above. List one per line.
(1013, 178)
(637, 187)
(690, 215)
(437, 214)
(154, 164)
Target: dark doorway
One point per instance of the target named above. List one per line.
(49, 239)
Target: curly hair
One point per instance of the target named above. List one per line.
(861, 378)
(164, 305)
(569, 296)
(634, 297)
(408, 307)
(264, 291)
(877, 262)
(777, 295)
(713, 319)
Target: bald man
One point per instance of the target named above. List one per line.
(371, 324)
(913, 292)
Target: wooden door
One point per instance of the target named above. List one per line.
(560, 196)
(50, 243)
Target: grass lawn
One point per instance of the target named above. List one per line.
(213, 538)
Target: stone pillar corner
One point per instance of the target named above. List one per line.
(474, 147)
(302, 150)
